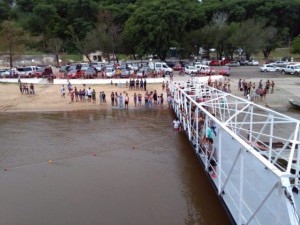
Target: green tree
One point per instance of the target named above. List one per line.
(156, 26)
(55, 46)
(295, 47)
(271, 41)
(250, 37)
(12, 39)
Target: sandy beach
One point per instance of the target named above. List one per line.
(48, 97)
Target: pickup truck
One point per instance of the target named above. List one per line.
(291, 69)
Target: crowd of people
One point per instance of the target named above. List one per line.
(26, 88)
(203, 133)
(253, 92)
(121, 100)
(221, 84)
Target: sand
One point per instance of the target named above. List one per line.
(48, 98)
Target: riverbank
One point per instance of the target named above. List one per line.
(48, 97)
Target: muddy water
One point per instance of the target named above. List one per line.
(107, 167)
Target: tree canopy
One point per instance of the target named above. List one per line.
(141, 27)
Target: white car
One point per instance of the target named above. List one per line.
(190, 70)
(252, 63)
(291, 69)
(27, 71)
(204, 69)
(110, 72)
(10, 73)
(269, 68)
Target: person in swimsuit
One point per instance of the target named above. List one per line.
(126, 101)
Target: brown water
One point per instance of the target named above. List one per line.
(108, 167)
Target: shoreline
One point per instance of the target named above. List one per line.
(48, 98)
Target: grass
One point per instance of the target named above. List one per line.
(278, 54)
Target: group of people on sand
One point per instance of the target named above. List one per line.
(253, 92)
(26, 88)
(221, 84)
(152, 99)
(81, 95)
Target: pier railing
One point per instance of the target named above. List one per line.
(254, 158)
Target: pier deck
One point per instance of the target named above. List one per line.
(256, 151)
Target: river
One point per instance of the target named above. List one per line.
(101, 167)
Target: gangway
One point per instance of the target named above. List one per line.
(255, 149)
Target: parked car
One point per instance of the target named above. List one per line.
(225, 61)
(205, 70)
(214, 63)
(190, 70)
(252, 63)
(133, 66)
(170, 64)
(90, 72)
(125, 73)
(74, 74)
(225, 71)
(98, 66)
(13, 73)
(3, 72)
(291, 69)
(205, 62)
(141, 73)
(233, 64)
(110, 72)
(27, 71)
(44, 72)
(177, 67)
(280, 63)
(269, 68)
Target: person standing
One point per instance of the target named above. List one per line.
(260, 85)
(240, 85)
(145, 85)
(21, 87)
(121, 101)
(126, 101)
(94, 96)
(63, 91)
(72, 96)
(69, 87)
(89, 94)
(141, 84)
(103, 97)
(272, 87)
(135, 99)
(31, 89)
(112, 98)
(176, 124)
(171, 76)
(139, 99)
(116, 98)
(212, 156)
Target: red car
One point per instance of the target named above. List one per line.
(225, 61)
(177, 67)
(44, 72)
(73, 74)
(225, 71)
(214, 63)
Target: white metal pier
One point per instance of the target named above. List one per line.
(257, 152)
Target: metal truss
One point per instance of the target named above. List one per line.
(272, 139)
